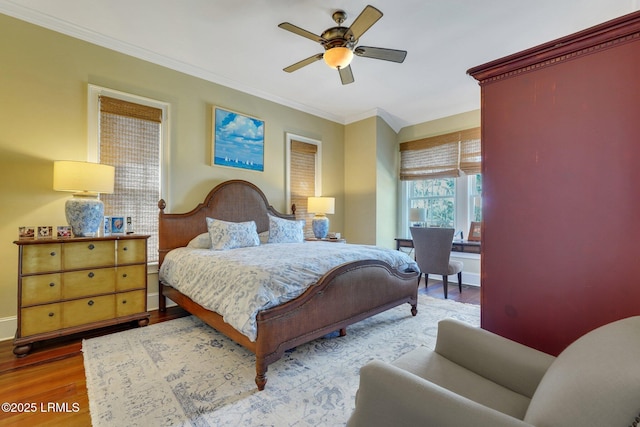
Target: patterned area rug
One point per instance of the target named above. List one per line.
(184, 373)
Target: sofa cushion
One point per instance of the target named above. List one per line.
(441, 371)
(593, 382)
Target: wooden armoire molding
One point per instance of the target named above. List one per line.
(609, 34)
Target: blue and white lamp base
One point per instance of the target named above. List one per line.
(84, 215)
(320, 226)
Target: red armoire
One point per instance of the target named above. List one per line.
(561, 186)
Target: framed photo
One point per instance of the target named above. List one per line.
(117, 225)
(45, 232)
(63, 231)
(107, 226)
(238, 140)
(475, 232)
(26, 232)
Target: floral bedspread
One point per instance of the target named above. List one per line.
(238, 283)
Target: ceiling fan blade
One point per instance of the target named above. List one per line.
(304, 62)
(364, 21)
(301, 32)
(346, 76)
(381, 53)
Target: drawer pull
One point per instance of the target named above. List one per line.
(52, 284)
(90, 302)
(124, 301)
(124, 249)
(91, 247)
(52, 254)
(51, 314)
(124, 275)
(91, 275)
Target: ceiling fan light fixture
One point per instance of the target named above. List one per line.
(338, 57)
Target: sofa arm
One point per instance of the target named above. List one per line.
(508, 363)
(390, 396)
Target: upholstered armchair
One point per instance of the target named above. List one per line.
(476, 378)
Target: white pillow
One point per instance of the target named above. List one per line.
(285, 230)
(201, 241)
(231, 235)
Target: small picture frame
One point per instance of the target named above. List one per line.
(475, 232)
(27, 232)
(117, 225)
(106, 231)
(45, 232)
(129, 225)
(63, 231)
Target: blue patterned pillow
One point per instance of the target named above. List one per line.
(285, 230)
(230, 235)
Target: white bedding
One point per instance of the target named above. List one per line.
(238, 283)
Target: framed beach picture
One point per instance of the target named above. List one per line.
(238, 140)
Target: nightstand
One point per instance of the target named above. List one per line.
(73, 285)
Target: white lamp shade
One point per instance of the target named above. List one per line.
(338, 57)
(418, 215)
(321, 205)
(83, 177)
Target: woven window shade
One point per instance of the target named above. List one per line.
(303, 180)
(130, 141)
(442, 156)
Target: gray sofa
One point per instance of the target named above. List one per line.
(476, 378)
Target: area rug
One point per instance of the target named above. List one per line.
(184, 373)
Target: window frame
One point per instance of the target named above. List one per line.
(463, 212)
(93, 129)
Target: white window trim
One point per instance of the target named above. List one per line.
(318, 184)
(93, 137)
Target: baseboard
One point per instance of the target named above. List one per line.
(8, 326)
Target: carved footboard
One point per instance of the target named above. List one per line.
(346, 295)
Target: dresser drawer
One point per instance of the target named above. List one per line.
(131, 251)
(41, 289)
(88, 310)
(131, 277)
(89, 254)
(41, 258)
(39, 319)
(84, 283)
(130, 303)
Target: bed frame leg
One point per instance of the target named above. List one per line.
(162, 300)
(261, 375)
(343, 332)
(414, 309)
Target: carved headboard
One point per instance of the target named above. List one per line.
(234, 201)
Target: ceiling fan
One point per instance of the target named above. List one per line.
(340, 43)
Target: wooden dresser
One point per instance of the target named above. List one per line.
(67, 286)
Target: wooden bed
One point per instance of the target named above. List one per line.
(343, 296)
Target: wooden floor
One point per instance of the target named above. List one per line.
(48, 386)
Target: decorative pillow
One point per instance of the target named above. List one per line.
(201, 241)
(230, 235)
(285, 230)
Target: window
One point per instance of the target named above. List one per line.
(438, 197)
(442, 175)
(450, 202)
(303, 175)
(129, 133)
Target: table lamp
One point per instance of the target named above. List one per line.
(84, 211)
(320, 206)
(418, 216)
